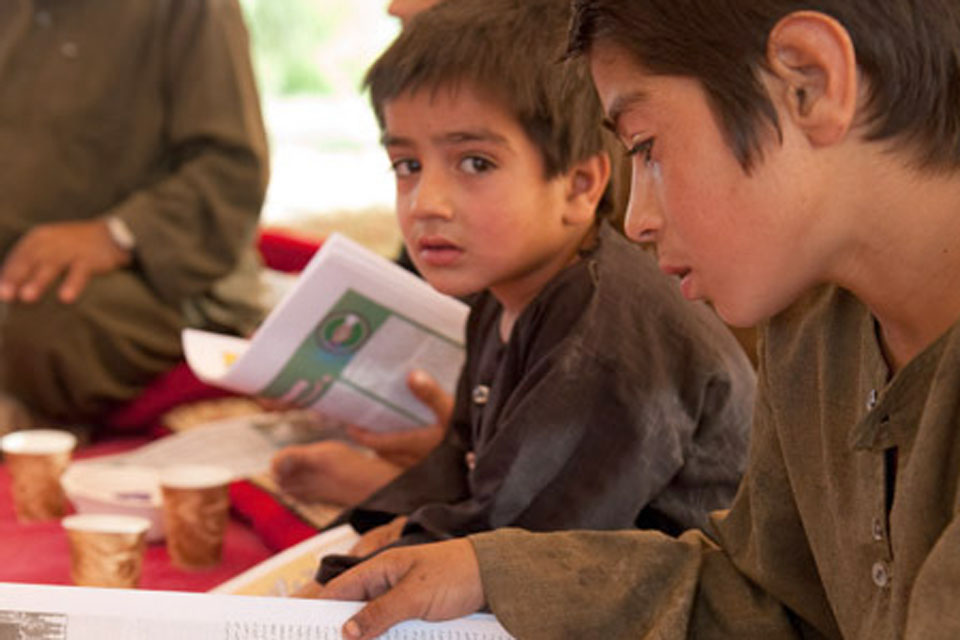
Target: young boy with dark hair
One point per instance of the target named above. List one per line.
(593, 395)
(797, 162)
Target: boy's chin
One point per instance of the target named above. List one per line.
(748, 312)
(445, 286)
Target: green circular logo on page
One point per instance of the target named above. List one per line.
(343, 332)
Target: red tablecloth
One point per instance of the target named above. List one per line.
(39, 552)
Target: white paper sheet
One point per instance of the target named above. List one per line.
(85, 613)
(244, 444)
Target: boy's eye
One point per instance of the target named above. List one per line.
(405, 166)
(475, 164)
(643, 148)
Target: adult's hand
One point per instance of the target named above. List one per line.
(408, 447)
(75, 250)
(436, 581)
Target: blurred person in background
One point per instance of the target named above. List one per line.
(134, 173)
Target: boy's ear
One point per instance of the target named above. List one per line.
(812, 55)
(586, 182)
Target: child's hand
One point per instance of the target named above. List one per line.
(406, 448)
(379, 537)
(330, 471)
(436, 581)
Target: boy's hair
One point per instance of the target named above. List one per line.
(511, 51)
(908, 51)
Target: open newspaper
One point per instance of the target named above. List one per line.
(342, 341)
(87, 613)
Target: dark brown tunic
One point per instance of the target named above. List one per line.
(614, 404)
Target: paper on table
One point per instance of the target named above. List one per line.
(244, 444)
(342, 341)
(87, 613)
(284, 573)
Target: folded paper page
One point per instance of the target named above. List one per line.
(342, 341)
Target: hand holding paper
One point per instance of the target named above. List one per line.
(342, 342)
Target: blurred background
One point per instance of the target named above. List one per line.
(328, 169)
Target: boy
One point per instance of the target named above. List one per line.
(339, 472)
(582, 403)
(821, 141)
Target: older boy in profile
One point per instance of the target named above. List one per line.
(593, 395)
(821, 141)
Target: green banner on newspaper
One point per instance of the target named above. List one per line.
(321, 358)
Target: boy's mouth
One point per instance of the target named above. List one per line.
(437, 251)
(682, 274)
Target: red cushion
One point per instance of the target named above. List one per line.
(175, 387)
(286, 250)
(276, 525)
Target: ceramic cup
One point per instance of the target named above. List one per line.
(36, 459)
(196, 504)
(106, 550)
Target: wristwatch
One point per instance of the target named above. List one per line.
(120, 233)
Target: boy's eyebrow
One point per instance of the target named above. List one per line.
(388, 140)
(475, 135)
(453, 137)
(621, 104)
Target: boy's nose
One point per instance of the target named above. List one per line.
(430, 198)
(406, 9)
(644, 219)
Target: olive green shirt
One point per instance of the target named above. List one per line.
(845, 525)
(146, 110)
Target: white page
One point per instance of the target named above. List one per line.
(86, 613)
(342, 341)
(244, 444)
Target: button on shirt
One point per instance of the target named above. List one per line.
(880, 574)
(877, 530)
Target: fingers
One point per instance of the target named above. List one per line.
(27, 272)
(330, 471)
(429, 392)
(379, 537)
(380, 614)
(29, 284)
(402, 448)
(272, 404)
(437, 581)
(386, 442)
(78, 275)
(284, 464)
(309, 590)
(373, 580)
(79, 249)
(367, 544)
(368, 579)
